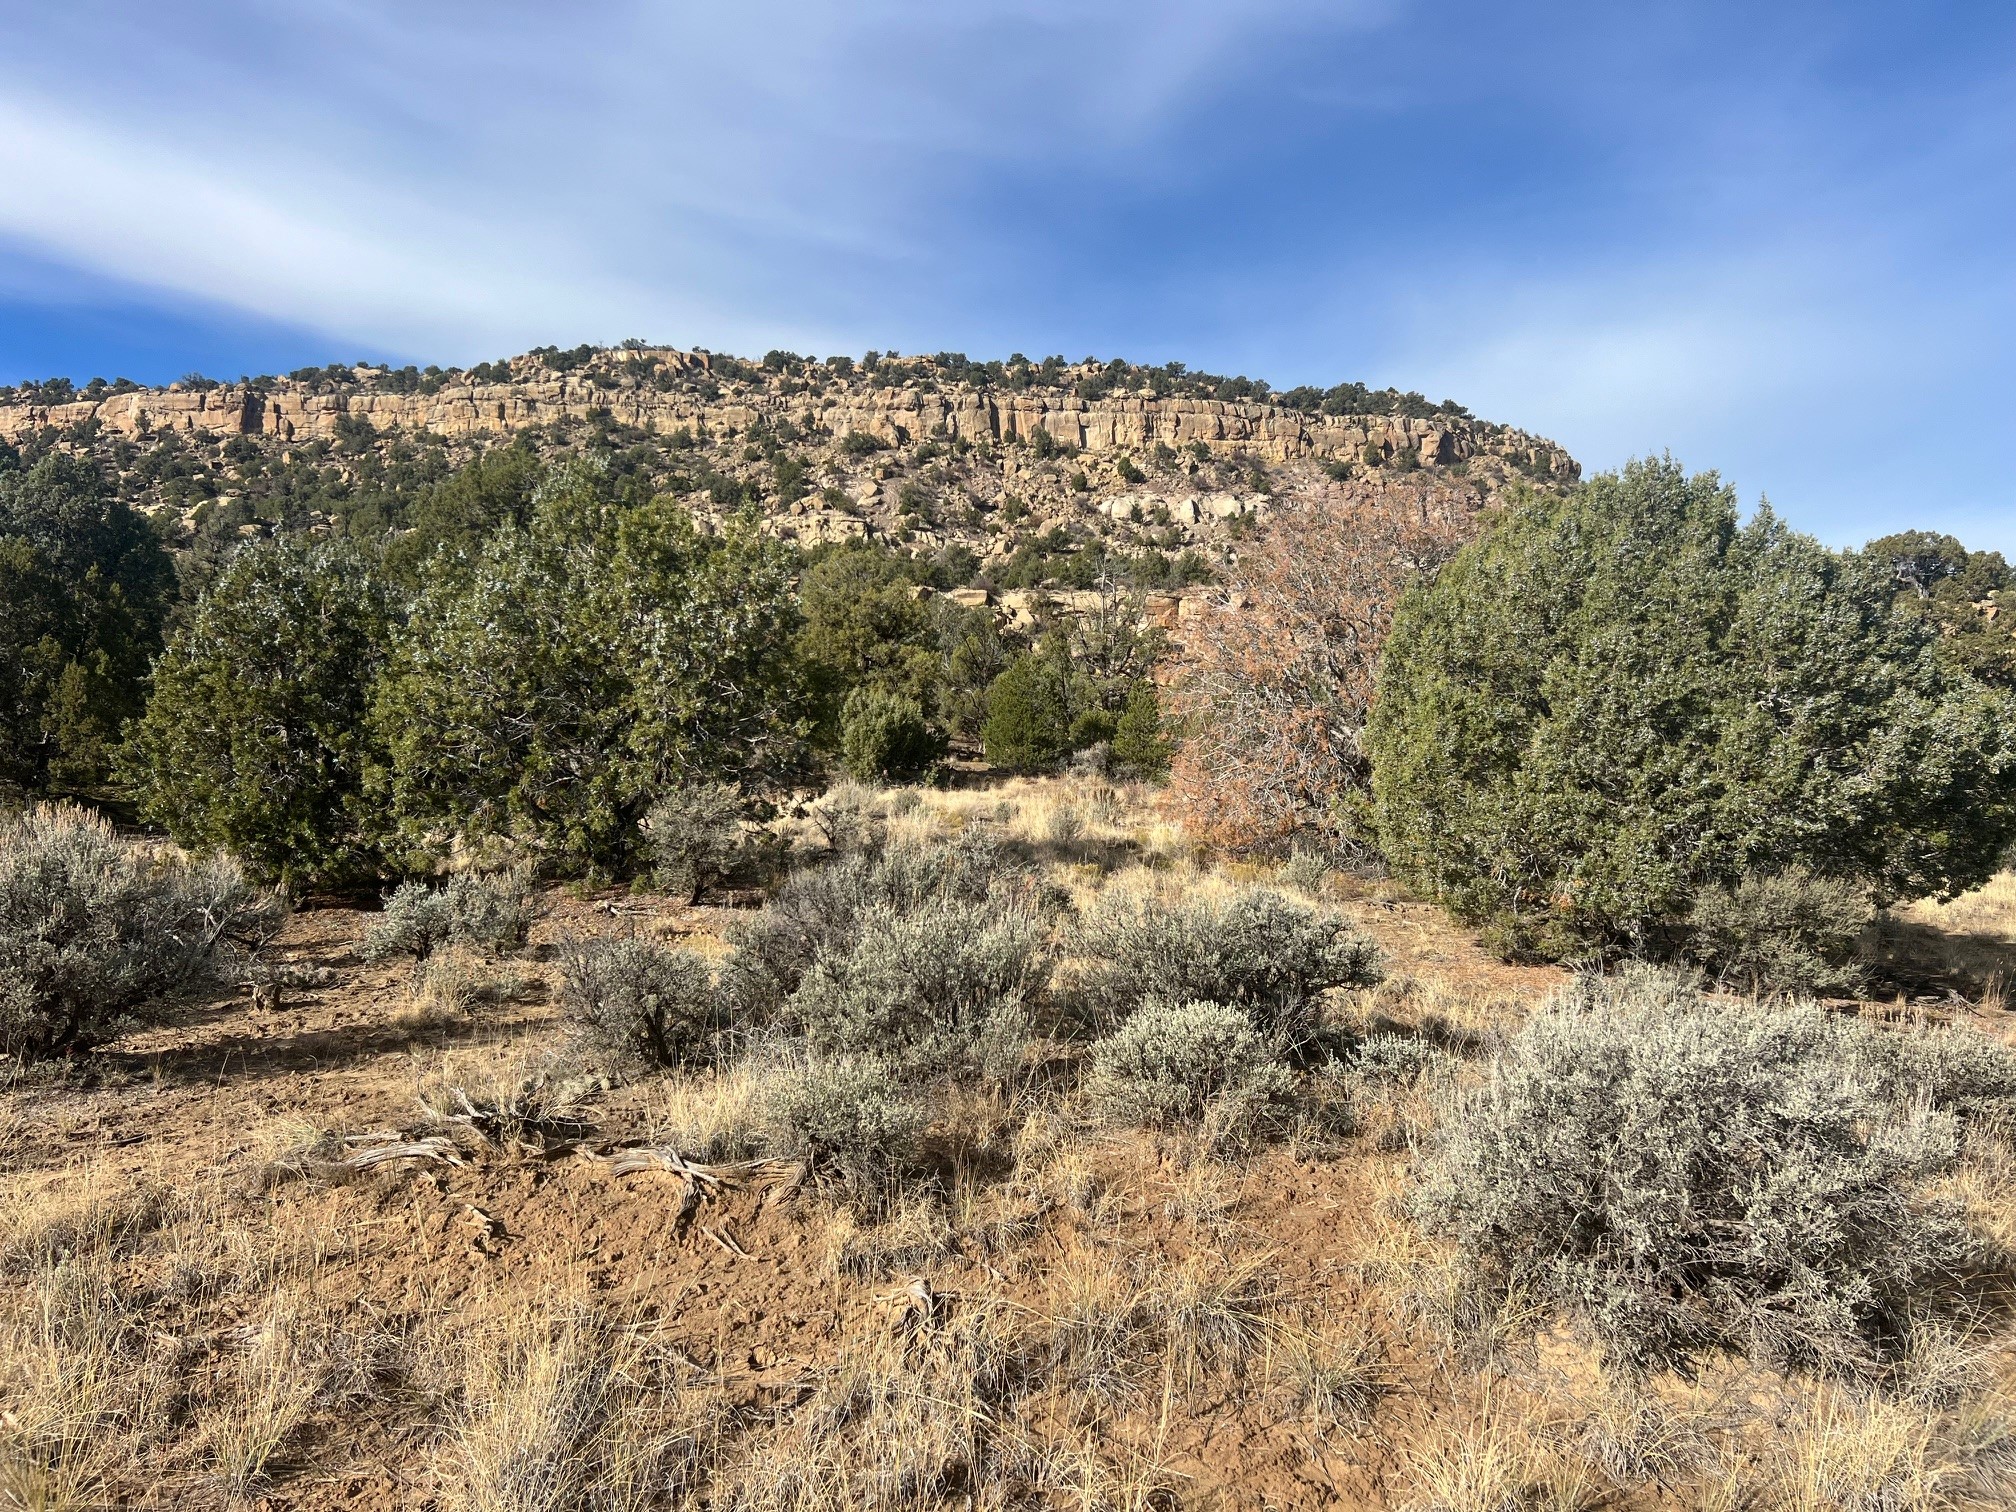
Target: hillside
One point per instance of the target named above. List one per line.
(931, 452)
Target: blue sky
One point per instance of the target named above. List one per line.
(1774, 239)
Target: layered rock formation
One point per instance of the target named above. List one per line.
(664, 390)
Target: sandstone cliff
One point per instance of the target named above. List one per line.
(1133, 462)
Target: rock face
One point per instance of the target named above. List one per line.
(286, 411)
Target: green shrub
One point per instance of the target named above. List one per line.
(1184, 1063)
(253, 741)
(884, 737)
(494, 911)
(1256, 950)
(849, 1118)
(696, 837)
(1788, 933)
(1029, 712)
(860, 444)
(1140, 745)
(99, 934)
(865, 627)
(639, 998)
(1621, 695)
(1686, 1175)
(947, 983)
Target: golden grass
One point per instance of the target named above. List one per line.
(1103, 1303)
(1989, 909)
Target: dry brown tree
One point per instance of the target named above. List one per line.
(1277, 674)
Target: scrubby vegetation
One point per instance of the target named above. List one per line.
(1684, 1175)
(1623, 695)
(493, 912)
(98, 934)
(639, 998)
(1254, 950)
(1053, 1157)
(702, 1120)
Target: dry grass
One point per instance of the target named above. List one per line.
(1048, 1314)
(1988, 910)
(545, 1396)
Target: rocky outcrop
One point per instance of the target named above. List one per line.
(285, 411)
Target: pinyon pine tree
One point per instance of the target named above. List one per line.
(546, 690)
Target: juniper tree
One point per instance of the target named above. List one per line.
(254, 740)
(1624, 694)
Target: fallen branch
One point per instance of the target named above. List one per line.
(697, 1182)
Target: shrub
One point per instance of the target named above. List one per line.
(1956, 1070)
(98, 933)
(1620, 696)
(847, 817)
(253, 741)
(696, 837)
(1306, 870)
(845, 1117)
(1176, 1063)
(1788, 933)
(1685, 1175)
(413, 922)
(494, 911)
(948, 982)
(860, 444)
(1395, 1059)
(884, 737)
(816, 914)
(1256, 950)
(639, 998)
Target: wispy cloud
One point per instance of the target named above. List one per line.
(1770, 239)
(428, 179)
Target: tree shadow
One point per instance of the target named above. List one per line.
(1923, 961)
(253, 1055)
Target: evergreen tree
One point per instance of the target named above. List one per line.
(90, 589)
(466, 508)
(1029, 710)
(545, 691)
(254, 740)
(1139, 744)
(865, 626)
(1622, 695)
(884, 737)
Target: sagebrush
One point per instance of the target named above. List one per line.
(1255, 950)
(1181, 1063)
(696, 837)
(1684, 1175)
(98, 933)
(641, 998)
(495, 912)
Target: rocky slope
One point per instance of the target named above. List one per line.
(928, 451)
